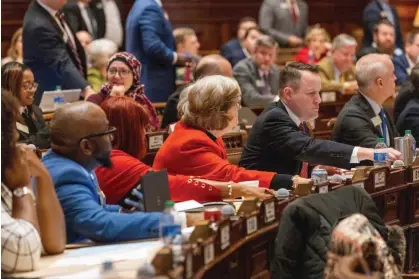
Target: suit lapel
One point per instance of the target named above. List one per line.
(49, 17)
(363, 103)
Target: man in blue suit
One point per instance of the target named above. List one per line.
(233, 49)
(71, 161)
(149, 37)
(373, 13)
(403, 64)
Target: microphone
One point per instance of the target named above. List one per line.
(398, 164)
(227, 211)
(282, 193)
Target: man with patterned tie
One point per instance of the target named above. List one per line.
(258, 76)
(279, 140)
(363, 119)
(51, 49)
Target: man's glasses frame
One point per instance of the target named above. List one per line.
(110, 131)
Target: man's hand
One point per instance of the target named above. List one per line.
(87, 92)
(183, 60)
(118, 90)
(294, 41)
(368, 154)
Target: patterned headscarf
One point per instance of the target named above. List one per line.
(136, 91)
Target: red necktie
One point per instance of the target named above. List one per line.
(304, 167)
(73, 47)
(293, 11)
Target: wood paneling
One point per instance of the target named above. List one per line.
(215, 21)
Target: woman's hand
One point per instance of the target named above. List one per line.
(118, 90)
(37, 169)
(240, 190)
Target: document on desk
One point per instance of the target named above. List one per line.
(117, 252)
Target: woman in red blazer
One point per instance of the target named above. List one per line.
(318, 44)
(131, 120)
(210, 110)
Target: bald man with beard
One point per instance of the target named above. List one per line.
(209, 65)
(81, 141)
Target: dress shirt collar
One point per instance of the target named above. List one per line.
(246, 53)
(22, 109)
(292, 115)
(159, 3)
(263, 73)
(375, 107)
(410, 62)
(336, 71)
(51, 11)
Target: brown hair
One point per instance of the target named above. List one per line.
(290, 75)
(208, 101)
(12, 76)
(11, 52)
(317, 30)
(383, 21)
(266, 41)
(181, 33)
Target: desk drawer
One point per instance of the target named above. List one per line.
(390, 207)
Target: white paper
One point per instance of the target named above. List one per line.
(93, 273)
(187, 205)
(251, 183)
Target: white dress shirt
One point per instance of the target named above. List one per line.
(113, 29)
(297, 121)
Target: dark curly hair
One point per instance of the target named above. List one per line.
(9, 116)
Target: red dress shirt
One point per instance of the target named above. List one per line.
(127, 171)
(304, 56)
(190, 151)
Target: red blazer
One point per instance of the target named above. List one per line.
(127, 171)
(303, 56)
(189, 151)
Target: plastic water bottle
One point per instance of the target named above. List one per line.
(411, 143)
(170, 223)
(58, 99)
(380, 155)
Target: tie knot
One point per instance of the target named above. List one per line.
(302, 128)
(60, 15)
(381, 113)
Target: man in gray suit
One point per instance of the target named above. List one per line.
(285, 20)
(258, 76)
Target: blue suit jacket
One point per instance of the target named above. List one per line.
(409, 119)
(372, 14)
(45, 52)
(85, 217)
(400, 68)
(233, 52)
(149, 37)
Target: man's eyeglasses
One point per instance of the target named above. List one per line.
(30, 86)
(122, 72)
(110, 131)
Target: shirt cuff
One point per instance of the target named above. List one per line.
(354, 156)
(174, 58)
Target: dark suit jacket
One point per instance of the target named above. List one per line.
(275, 143)
(372, 15)
(49, 57)
(233, 52)
(409, 119)
(354, 126)
(400, 68)
(97, 9)
(75, 19)
(406, 93)
(149, 37)
(170, 114)
(38, 131)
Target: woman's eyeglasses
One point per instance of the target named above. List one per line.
(30, 86)
(122, 72)
(110, 131)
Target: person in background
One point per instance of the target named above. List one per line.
(129, 147)
(98, 53)
(376, 11)
(233, 49)
(84, 38)
(52, 50)
(337, 71)
(407, 102)
(81, 18)
(186, 43)
(123, 75)
(71, 161)
(213, 64)
(109, 22)
(258, 76)
(14, 53)
(285, 20)
(317, 43)
(196, 147)
(362, 120)
(29, 224)
(18, 79)
(279, 140)
(249, 41)
(150, 39)
(404, 63)
(383, 41)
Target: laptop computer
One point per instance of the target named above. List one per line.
(47, 101)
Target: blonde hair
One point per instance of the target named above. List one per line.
(12, 52)
(208, 100)
(99, 51)
(181, 33)
(317, 30)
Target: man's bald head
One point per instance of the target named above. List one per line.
(72, 122)
(375, 76)
(213, 64)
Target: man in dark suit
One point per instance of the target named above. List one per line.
(109, 22)
(51, 49)
(233, 49)
(408, 100)
(81, 18)
(403, 64)
(376, 11)
(149, 37)
(279, 139)
(258, 76)
(363, 119)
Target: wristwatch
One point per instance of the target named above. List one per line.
(20, 192)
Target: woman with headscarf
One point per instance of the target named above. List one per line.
(123, 74)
